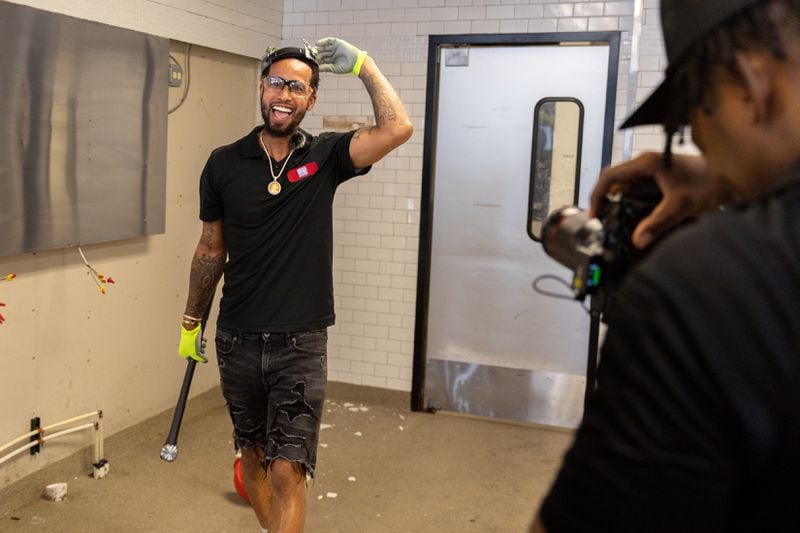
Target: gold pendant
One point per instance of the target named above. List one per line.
(274, 188)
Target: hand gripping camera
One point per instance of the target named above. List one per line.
(599, 250)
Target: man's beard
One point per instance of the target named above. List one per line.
(286, 130)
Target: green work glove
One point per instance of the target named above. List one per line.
(338, 56)
(192, 345)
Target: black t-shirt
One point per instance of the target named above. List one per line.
(280, 254)
(695, 424)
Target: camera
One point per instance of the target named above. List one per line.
(599, 251)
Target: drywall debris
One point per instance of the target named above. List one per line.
(332, 495)
(323, 445)
(401, 428)
(358, 434)
(351, 478)
(320, 497)
(325, 426)
(55, 492)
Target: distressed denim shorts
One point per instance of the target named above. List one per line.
(274, 385)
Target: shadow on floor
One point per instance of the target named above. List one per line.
(381, 468)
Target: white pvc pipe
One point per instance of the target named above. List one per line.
(71, 420)
(30, 434)
(44, 436)
(98, 443)
(21, 438)
(19, 450)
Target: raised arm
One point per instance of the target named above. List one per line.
(392, 125)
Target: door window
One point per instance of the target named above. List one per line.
(555, 161)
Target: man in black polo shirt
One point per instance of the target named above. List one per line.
(695, 422)
(266, 206)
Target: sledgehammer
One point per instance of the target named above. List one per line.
(169, 452)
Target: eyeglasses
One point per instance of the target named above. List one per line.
(296, 87)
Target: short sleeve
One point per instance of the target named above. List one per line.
(341, 153)
(211, 208)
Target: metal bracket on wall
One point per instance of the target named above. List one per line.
(36, 425)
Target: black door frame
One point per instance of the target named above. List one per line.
(435, 42)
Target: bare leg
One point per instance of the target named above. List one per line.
(255, 483)
(282, 484)
(287, 484)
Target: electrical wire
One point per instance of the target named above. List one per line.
(550, 294)
(99, 279)
(187, 56)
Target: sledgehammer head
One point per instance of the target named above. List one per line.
(169, 452)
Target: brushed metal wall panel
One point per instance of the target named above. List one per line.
(536, 396)
(83, 131)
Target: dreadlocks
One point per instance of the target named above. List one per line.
(756, 27)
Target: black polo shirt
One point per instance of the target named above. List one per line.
(695, 423)
(279, 274)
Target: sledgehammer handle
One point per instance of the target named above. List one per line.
(169, 452)
(180, 407)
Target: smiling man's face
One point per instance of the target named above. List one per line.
(282, 110)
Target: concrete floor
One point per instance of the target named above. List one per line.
(413, 472)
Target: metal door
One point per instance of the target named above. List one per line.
(486, 343)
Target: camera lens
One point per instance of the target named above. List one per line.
(570, 237)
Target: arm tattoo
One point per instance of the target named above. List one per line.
(392, 124)
(366, 130)
(382, 101)
(206, 271)
(207, 238)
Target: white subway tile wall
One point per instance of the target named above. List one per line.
(376, 217)
(652, 62)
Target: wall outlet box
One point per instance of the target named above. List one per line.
(175, 75)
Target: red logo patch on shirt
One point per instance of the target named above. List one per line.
(301, 173)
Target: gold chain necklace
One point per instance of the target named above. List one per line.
(274, 188)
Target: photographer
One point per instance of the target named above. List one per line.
(695, 423)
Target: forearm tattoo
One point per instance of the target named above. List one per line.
(384, 99)
(206, 271)
(207, 237)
